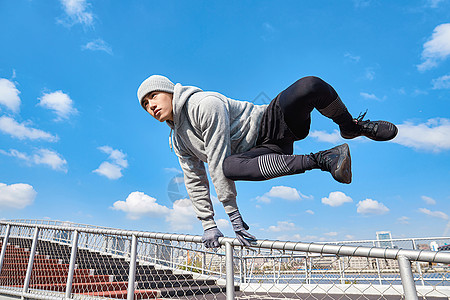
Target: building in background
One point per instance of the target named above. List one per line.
(384, 239)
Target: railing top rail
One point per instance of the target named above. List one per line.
(391, 240)
(55, 222)
(342, 250)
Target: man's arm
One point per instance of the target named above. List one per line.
(213, 118)
(197, 186)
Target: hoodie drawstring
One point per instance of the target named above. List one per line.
(170, 140)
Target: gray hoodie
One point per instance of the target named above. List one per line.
(208, 127)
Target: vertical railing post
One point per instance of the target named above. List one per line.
(244, 269)
(172, 259)
(5, 243)
(419, 268)
(306, 268)
(203, 262)
(73, 257)
(230, 271)
(132, 273)
(30, 261)
(409, 287)
(341, 269)
(378, 268)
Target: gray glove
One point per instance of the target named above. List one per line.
(240, 228)
(211, 237)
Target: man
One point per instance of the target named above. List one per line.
(242, 141)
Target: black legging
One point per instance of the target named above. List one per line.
(272, 160)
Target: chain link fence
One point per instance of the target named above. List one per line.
(51, 260)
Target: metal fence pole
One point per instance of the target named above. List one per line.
(203, 262)
(230, 271)
(341, 269)
(5, 243)
(132, 274)
(73, 257)
(419, 268)
(409, 287)
(31, 260)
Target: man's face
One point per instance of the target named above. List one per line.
(159, 105)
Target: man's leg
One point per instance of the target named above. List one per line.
(299, 99)
(263, 163)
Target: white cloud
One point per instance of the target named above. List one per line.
(361, 3)
(23, 131)
(109, 170)
(269, 32)
(41, 157)
(336, 199)
(78, 12)
(323, 136)
(441, 83)
(18, 195)
(435, 214)
(182, 215)
(349, 237)
(437, 48)
(222, 223)
(309, 212)
(173, 170)
(139, 204)
(369, 96)
(117, 156)
(428, 200)
(112, 170)
(9, 95)
(370, 206)
(370, 74)
(403, 220)
(289, 237)
(60, 103)
(434, 3)
(98, 45)
(283, 192)
(333, 233)
(282, 226)
(431, 136)
(352, 57)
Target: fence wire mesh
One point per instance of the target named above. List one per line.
(173, 269)
(278, 274)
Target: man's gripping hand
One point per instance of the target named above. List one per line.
(211, 237)
(240, 228)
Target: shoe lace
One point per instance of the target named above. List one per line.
(361, 116)
(365, 125)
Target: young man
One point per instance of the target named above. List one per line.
(242, 141)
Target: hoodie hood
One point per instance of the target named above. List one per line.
(180, 95)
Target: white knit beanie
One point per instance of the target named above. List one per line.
(154, 83)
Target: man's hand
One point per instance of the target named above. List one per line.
(240, 228)
(211, 237)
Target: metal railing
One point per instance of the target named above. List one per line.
(267, 269)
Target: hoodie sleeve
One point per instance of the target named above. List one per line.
(212, 117)
(197, 186)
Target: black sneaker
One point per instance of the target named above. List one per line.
(375, 130)
(337, 161)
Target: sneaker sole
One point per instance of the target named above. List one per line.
(343, 172)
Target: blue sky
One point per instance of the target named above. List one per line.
(75, 144)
